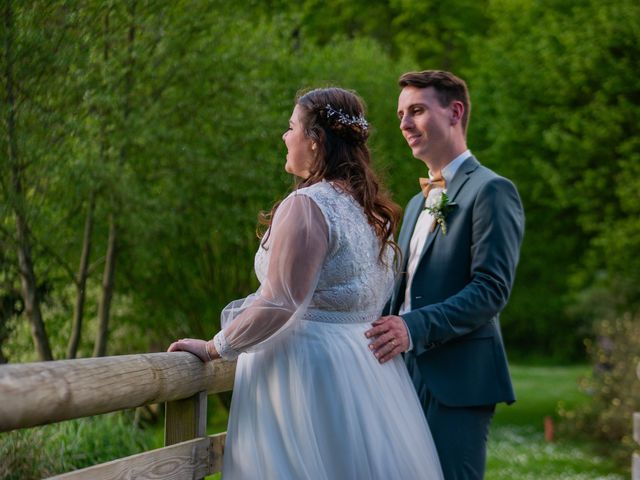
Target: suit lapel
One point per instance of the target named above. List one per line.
(461, 177)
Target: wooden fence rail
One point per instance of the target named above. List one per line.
(38, 393)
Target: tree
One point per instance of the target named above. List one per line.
(558, 91)
(439, 35)
(20, 89)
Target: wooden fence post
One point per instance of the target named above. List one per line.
(635, 465)
(185, 419)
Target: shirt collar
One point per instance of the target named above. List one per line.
(449, 171)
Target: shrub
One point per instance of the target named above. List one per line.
(614, 386)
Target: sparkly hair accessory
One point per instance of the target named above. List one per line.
(344, 119)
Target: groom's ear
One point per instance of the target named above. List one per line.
(456, 111)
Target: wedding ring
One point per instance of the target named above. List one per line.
(393, 342)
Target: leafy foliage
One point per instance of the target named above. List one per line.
(558, 92)
(614, 386)
(174, 127)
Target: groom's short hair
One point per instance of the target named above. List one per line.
(447, 86)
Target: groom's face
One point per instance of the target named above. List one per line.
(425, 124)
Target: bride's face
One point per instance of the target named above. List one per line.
(299, 148)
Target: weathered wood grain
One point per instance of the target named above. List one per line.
(44, 392)
(216, 453)
(185, 419)
(186, 460)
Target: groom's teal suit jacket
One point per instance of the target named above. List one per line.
(461, 283)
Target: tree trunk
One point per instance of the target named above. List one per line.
(7, 310)
(110, 262)
(25, 262)
(30, 292)
(81, 282)
(100, 348)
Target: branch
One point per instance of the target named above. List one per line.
(62, 263)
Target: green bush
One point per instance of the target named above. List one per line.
(62, 447)
(614, 386)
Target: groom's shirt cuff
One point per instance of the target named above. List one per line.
(408, 335)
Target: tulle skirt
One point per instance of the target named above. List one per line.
(318, 405)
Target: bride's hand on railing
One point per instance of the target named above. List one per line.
(205, 351)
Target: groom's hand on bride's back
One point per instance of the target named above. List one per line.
(389, 337)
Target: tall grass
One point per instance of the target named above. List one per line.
(62, 447)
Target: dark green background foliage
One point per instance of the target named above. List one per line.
(169, 116)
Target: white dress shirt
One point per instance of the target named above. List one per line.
(423, 228)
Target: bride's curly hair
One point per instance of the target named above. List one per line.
(334, 119)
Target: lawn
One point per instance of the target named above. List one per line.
(517, 448)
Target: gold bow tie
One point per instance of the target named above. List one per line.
(427, 184)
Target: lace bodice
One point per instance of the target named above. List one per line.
(319, 263)
(352, 280)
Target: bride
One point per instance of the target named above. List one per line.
(309, 399)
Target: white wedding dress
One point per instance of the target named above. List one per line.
(310, 401)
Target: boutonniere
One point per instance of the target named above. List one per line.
(439, 209)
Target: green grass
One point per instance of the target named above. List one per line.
(539, 391)
(517, 448)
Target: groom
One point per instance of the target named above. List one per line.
(460, 241)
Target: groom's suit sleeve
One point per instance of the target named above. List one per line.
(496, 235)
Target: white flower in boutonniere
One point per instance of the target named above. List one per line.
(440, 208)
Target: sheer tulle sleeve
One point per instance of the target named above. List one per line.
(298, 245)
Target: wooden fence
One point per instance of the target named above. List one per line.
(34, 394)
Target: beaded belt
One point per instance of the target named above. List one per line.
(329, 316)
